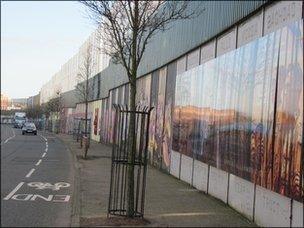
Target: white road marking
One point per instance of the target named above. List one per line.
(14, 191)
(38, 163)
(8, 139)
(30, 173)
(54, 187)
(43, 137)
(49, 198)
(43, 155)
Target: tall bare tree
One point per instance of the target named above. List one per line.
(126, 27)
(83, 87)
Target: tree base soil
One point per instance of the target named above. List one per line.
(112, 221)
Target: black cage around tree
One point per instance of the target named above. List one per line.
(118, 186)
(79, 128)
(76, 127)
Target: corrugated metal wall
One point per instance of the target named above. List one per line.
(180, 38)
(69, 99)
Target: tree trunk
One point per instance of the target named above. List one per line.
(86, 116)
(85, 130)
(131, 152)
(132, 133)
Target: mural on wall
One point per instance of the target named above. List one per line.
(143, 91)
(152, 128)
(95, 122)
(101, 129)
(243, 111)
(104, 128)
(69, 121)
(169, 101)
(289, 113)
(142, 98)
(80, 113)
(161, 157)
(115, 97)
(180, 68)
(110, 117)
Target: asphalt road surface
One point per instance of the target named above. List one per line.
(36, 180)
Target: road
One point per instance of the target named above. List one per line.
(36, 180)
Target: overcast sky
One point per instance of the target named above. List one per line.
(36, 39)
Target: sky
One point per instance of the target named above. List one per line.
(37, 38)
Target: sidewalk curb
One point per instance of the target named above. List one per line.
(76, 202)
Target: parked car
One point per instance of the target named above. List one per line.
(29, 128)
(18, 124)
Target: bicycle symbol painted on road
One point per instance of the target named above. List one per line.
(54, 187)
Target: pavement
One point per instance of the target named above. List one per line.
(37, 180)
(169, 201)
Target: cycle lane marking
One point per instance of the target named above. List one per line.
(40, 186)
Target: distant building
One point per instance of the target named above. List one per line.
(33, 101)
(36, 100)
(19, 103)
(30, 102)
(5, 102)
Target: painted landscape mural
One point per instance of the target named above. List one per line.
(243, 111)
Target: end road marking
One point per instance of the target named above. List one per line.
(38, 163)
(14, 191)
(43, 155)
(30, 173)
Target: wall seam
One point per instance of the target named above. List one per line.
(254, 202)
(208, 179)
(228, 186)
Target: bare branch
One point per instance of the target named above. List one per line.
(118, 22)
(85, 71)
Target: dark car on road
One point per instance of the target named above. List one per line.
(29, 128)
(18, 124)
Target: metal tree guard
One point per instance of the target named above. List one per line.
(118, 185)
(76, 128)
(82, 127)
